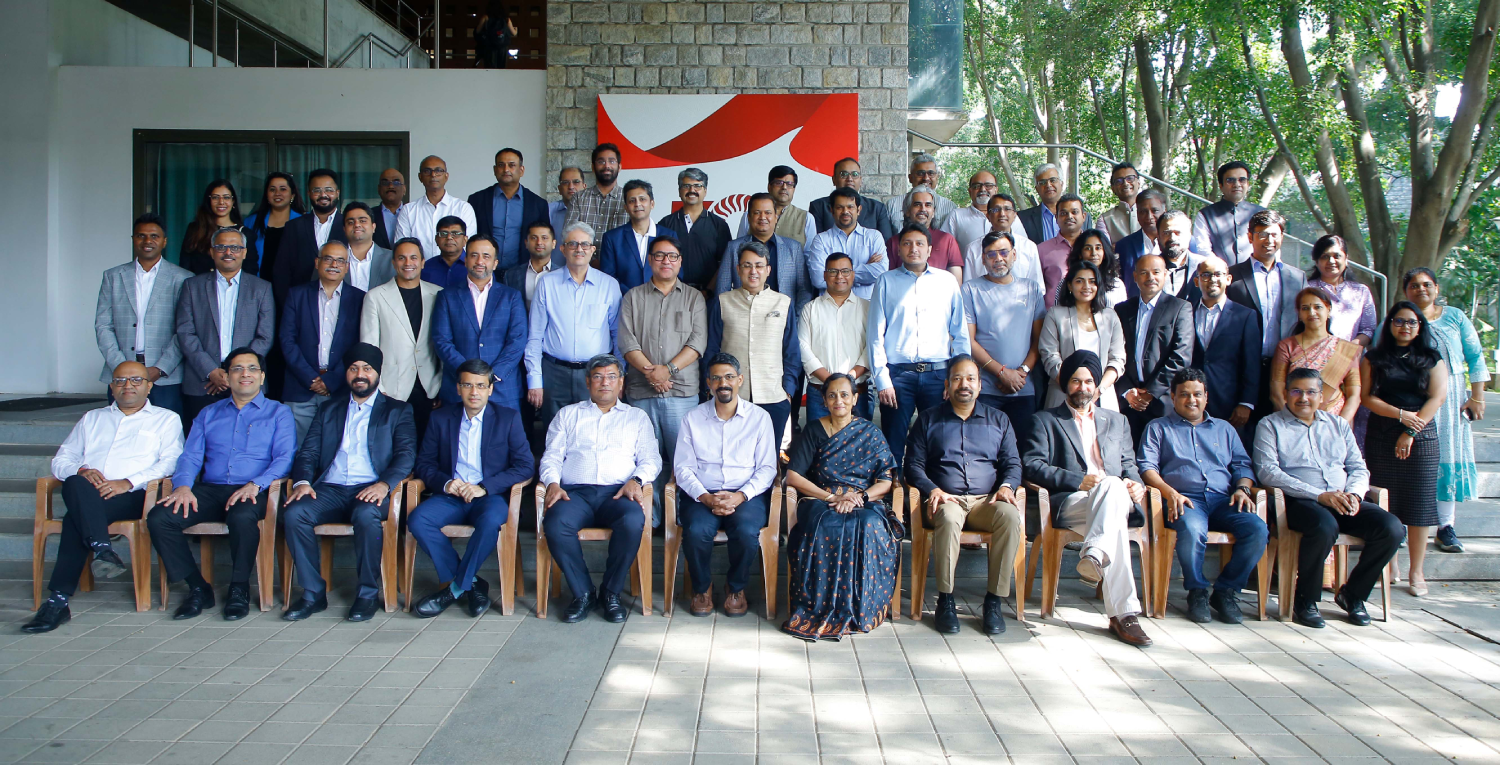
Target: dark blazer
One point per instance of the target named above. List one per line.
(702, 245)
(1168, 347)
(871, 215)
(1231, 362)
(1128, 251)
(619, 257)
(382, 237)
(198, 325)
(1031, 218)
(1053, 457)
(501, 341)
(505, 456)
(515, 276)
(297, 259)
(392, 437)
(299, 334)
(533, 209)
(1242, 290)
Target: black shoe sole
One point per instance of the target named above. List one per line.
(1308, 624)
(181, 616)
(40, 629)
(234, 617)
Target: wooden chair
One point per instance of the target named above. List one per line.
(509, 562)
(389, 560)
(547, 587)
(1053, 539)
(921, 550)
(265, 556)
(1287, 543)
(770, 548)
(1166, 546)
(135, 533)
(898, 506)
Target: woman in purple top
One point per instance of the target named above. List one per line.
(1353, 306)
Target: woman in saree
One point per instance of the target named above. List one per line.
(1313, 346)
(843, 553)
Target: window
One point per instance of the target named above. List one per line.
(172, 167)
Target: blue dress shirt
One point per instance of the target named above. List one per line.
(571, 321)
(859, 245)
(507, 227)
(469, 465)
(914, 318)
(351, 466)
(1206, 458)
(235, 445)
(1049, 224)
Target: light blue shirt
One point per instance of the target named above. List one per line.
(859, 245)
(557, 212)
(1142, 323)
(1206, 320)
(571, 321)
(470, 434)
(1049, 224)
(1268, 289)
(229, 302)
(914, 318)
(506, 227)
(351, 466)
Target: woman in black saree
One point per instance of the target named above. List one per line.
(843, 552)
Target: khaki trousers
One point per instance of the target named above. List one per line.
(976, 513)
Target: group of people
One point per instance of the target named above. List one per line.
(468, 344)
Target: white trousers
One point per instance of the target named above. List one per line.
(1102, 516)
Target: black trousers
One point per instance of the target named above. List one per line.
(335, 504)
(1320, 526)
(87, 520)
(589, 507)
(172, 546)
(421, 409)
(1138, 420)
(192, 405)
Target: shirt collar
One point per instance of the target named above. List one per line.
(1079, 414)
(1263, 268)
(259, 402)
(1176, 419)
(370, 402)
(440, 202)
(1215, 308)
(114, 406)
(231, 282)
(154, 269)
(741, 409)
(476, 288)
(1151, 304)
(477, 419)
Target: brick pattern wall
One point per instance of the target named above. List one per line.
(711, 46)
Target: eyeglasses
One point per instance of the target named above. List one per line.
(221, 197)
(729, 378)
(334, 261)
(669, 257)
(609, 378)
(229, 248)
(983, 186)
(134, 382)
(1406, 323)
(1236, 181)
(577, 245)
(839, 271)
(397, 184)
(474, 386)
(694, 186)
(847, 174)
(925, 173)
(324, 190)
(1002, 209)
(147, 237)
(241, 369)
(784, 184)
(1049, 181)
(1124, 179)
(433, 171)
(450, 234)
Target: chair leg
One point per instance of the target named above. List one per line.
(265, 564)
(1019, 566)
(1286, 572)
(390, 566)
(409, 570)
(670, 549)
(325, 560)
(643, 566)
(38, 560)
(1032, 562)
(284, 557)
(1340, 567)
(506, 553)
(140, 564)
(1148, 571)
(520, 572)
(165, 587)
(896, 590)
(86, 579)
(543, 576)
(1385, 594)
(921, 543)
(769, 553)
(1163, 579)
(1051, 571)
(1263, 580)
(206, 558)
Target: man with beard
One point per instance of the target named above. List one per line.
(757, 323)
(369, 263)
(542, 256)
(962, 456)
(1080, 452)
(216, 313)
(787, 273)
(447, 269)
(865, 247)
(1041, 221)
(718, 488)
(623, 251)
(945, 253)
(1268, 286)
(703, 234)
(481, 318)
(969, 224)
(1004, 313)
(569, 183)
(601, 206)
(1226, 346)
(792, 221)
(319, 322)
(397, 319)
(419, 217)
(872, 215)
(1179, 261)
(1120, 221)
(392, 188)
(1223, 228)
(1053, 253)
(923, 172)
(357, 451)
(506, 209)
(1001, 214)
(133, 319)
(304, 237)
(1149, 205)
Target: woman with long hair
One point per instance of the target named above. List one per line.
(219, 208)
(1313, 346)
(1094, 247)
(1405, 384)
(279, 203)
(1082, 320)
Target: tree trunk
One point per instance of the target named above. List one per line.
(976, 64)
(1384, 244)
(1157, 127)
(1270, 178)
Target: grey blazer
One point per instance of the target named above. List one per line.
(1053, 456)
(116, 314)
(1060, 338)
(382, 269)
(198, 325)
(791, 271)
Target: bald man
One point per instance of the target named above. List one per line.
(1158, 331)
(392, 189)
(419, 217)
(104, 465)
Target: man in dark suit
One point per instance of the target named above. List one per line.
(392, 189)
(1041, 221)
(1158, 331)
(542, 256)
(481, 319)
(1269, 287)
(622, 250)
(314, 357)
(1081, 453)
(846, 175)
(203, 333)
(788, 267)
(1226, 346)
(305, 236)
(1149, 205)
(471, 456)
(506, 209)
(357, 451)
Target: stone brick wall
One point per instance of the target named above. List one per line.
(712, 46)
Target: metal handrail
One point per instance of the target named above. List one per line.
(1372, 273)
(371, 39)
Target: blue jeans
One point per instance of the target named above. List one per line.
(864, 407)
(426, 521)
(915, 391)
(1212, 512)
(700, 526)
(665, 414)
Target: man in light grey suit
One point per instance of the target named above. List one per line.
(396, 318)
(369, 263)
(216, 313)
(134, 321)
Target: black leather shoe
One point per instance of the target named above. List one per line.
(53, 614)
(945, 619)
(611, 609)
(1227, 605)
(579, 609)
(1358, 616)
(364, 609)
(434, 604)
(994, 620)
(107, 564)
(306, 607)
(477, 599)
(198, 598)
(237, 603)
(1306, 614)
(1197, 607)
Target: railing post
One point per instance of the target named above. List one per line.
(216, 33)
(236, 41)
(1073, 170)
(437, 34)
(274, 56)
(369, 53)
(325, 34)
(192, 31)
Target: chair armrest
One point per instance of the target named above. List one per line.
(773, 506)
(276, 491)
(44, 488)
(669, 504)
(414, 487)
(791, 508)
(901, 500)
(515, 495)
(154, 491)
(1043, 505)
(1156, 516)
(393, 502)
(541, 508)
(1267, 500)
(1380, 497)
(1261, 498)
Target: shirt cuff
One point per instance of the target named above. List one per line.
(533, 381)
(301, 483)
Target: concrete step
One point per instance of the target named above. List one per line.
(1489, 480)
(26, 461)
(1479, 561)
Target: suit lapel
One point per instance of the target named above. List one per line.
(1070, 428)
(213, 306)
(396, 305)
(492, 303)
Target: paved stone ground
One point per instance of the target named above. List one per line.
(115, 686)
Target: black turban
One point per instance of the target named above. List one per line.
(1086, 359)
(366, 353)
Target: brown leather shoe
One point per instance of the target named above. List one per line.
(1128, 630)
(735, 604)
(703, 603)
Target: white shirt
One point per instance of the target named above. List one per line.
(968, 225)
(481, 295)
(642, 240)
(738, 454)
(595, 448)
(145, 281)
(532, 275)
(469, 465)
(832, 336)
(328, 320)
(1088, 433)
(351, 466)
(229, 302)
(1144, 310)
(138, 448)
(321, 229)
(419, 219)
(359, 269)
(1027, 265)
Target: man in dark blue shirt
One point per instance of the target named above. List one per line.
(241, 445)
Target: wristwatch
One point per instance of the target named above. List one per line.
(672, 368)
(1025, 370)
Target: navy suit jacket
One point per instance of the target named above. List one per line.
(392, 437)
(533, 209)
(298, 257)
(299, 339)
(1128, 251)
(382, 237)
(619, 257)
(1231, 362)
(458, 337)
(505, 456)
